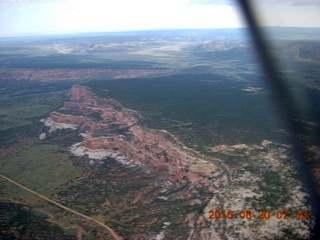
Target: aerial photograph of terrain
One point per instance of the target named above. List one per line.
(159, 120)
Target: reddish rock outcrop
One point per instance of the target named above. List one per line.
(118, 129)
(110, 130)
(69, 119)
(78, 93)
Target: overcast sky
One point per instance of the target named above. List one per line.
(52, 16)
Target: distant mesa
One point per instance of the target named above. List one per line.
(63, 74)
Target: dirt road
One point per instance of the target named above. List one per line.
(110, 231)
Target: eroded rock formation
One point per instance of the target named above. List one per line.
(114, 127)
(111, 131)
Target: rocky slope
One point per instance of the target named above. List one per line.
(105, 124)
(109, 130)
(162, 182)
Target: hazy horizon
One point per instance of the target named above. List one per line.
(34, 17)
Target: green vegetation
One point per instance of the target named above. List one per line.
(204, 105)
(43, 167)
(20, 222)
(73, 62)
(20, 111)
(201, 109)
(40, 167)
(23, 104)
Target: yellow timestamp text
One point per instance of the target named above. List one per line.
(260, 214)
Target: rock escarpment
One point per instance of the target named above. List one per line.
(105, 124)
(109, 130)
